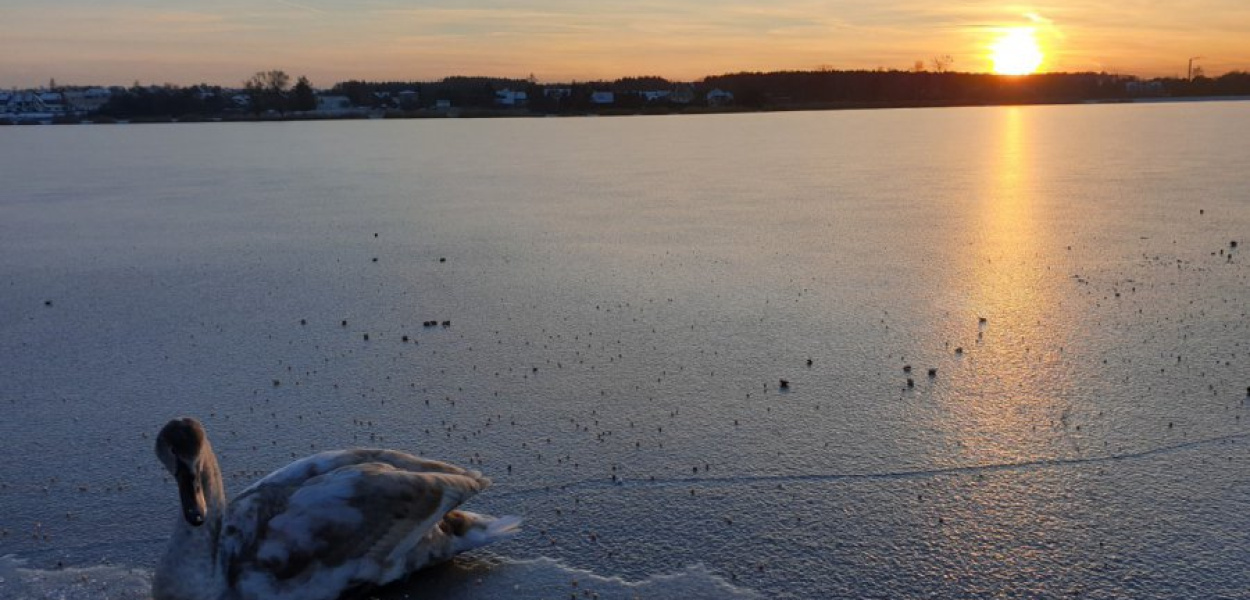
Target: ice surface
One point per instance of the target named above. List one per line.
(480, 580)
(624, 297)
(17, 582)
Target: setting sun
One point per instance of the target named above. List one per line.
(1016, 52)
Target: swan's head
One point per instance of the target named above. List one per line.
(179, 448)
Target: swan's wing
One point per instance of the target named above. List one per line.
(350, 526)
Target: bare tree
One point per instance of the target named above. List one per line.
(267, 90)
(272, 81)
(942, 63)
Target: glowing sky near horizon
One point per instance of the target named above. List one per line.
(225, 41)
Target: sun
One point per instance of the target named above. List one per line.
(1016, 52)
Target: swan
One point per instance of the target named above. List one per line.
(330, 524)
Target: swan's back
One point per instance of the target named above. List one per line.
(342, 520)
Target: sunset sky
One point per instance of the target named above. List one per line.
(225, 41)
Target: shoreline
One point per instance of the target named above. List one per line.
(485, 113)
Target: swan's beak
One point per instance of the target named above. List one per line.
(192, 497)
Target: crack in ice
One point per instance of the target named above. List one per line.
(736, 480)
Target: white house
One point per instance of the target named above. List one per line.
(719, 97)
(408, 99)
(602, 97)
(684, 94)
(30, 103)
(332, 105)
(53, 100)
(510, 98)
(87, 100)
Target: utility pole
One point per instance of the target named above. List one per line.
(1190, 74)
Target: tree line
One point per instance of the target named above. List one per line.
(922, 88)
(266, 92)
(273, 93)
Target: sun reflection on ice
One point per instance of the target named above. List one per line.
(1014, 404)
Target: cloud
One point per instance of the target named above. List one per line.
(301, 7)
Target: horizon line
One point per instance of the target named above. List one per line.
(576, 81)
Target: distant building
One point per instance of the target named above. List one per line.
(442, 104)
(385, 100)
(602, 97)
(205, 93)
(510, 98)
(54, 101)
(86, 100)
(719, 97)
(408, 99)
(556, 93)
(656, 95)
(31, 105)
(334, 105)
(683, 94)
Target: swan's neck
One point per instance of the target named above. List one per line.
(190, 568)
(210, 480)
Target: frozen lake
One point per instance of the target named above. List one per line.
(625, 296)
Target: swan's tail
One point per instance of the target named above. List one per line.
(473, 530)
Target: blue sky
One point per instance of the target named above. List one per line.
(225, 41)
